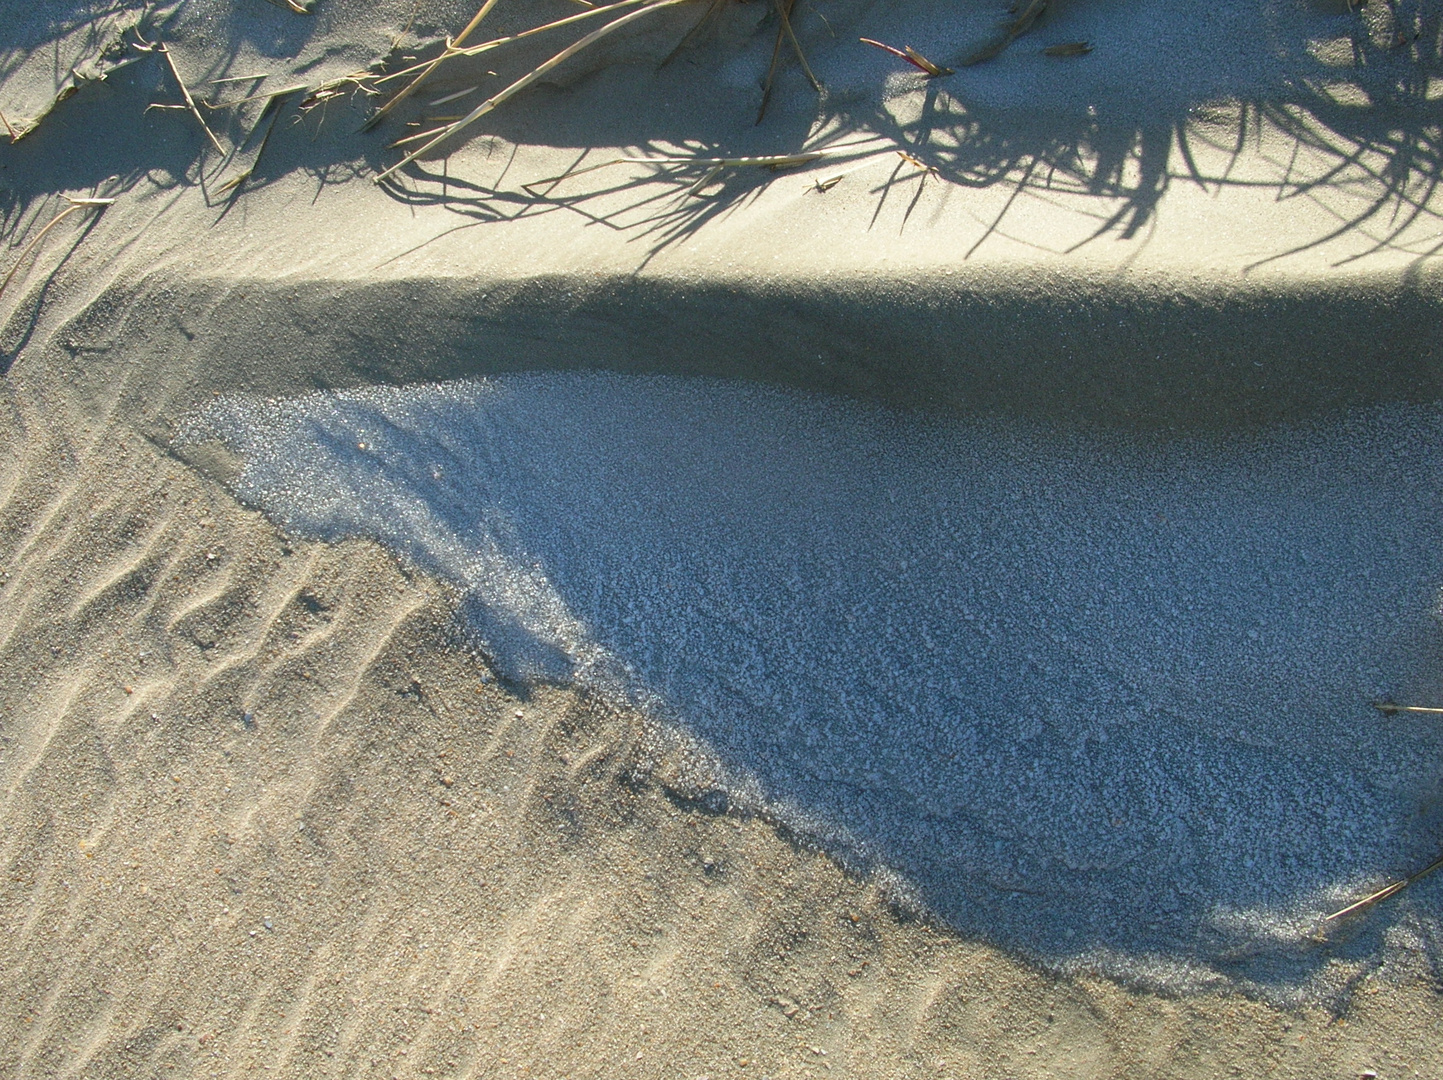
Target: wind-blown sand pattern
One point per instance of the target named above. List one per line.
(1103, 698)
(376, 788)
(396, 865)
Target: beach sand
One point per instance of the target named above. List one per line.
(396, 865)
(267, 806)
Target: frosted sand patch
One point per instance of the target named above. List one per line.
(1100, 698)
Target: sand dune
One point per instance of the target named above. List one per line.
(263, 810)
(264, 805)
(1102, 698)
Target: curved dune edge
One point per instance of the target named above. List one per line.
(1154, 353)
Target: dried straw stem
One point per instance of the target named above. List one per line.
(189, 101)
(1385, 892)
(75, 206)
(522, 83)
(415, 83)
(496, 43)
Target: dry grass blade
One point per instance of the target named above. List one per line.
(712, 8)
(185, 93)
(1019, 26)
(8, 129)
(320, 97)
(772, 67)
(411, 87)
(1386, 891)
(706, 178)
(912, 56)
(918, 163)
(496, 43)
(234, 182)
(1388, 708)
(784, 10)
(714, 164)
(526, 80)
(76, 205)
(1369, 901)
(273, 110)
(1071, 48)
(934, 70)
(457, 96)
(235, 78)
(216, 106)
(292, 5)
(407, 140)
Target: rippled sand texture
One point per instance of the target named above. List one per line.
(187, 893)
(1103, 698)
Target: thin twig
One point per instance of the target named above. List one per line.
(457, 96)
(771, 70)
(407, 140)
(496, 43)
(706, 178)
(713, 6)
(522, 83)
(783, 9)
(1386, 891)
(234, 78)
(8, 129)
(75, 206)
(274, 108)
(216, 106)
(159, 47)
(328, 91)
(916, 162)
(1387, 708)
(411, 87)
(912, 56)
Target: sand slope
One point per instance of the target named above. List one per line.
(397, 867)
(263, 810)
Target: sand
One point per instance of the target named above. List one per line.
(1103, 699)
(273, 800)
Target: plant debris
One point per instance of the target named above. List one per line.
(1385, 892)
(442, 134)
(784, 29)
(159, 47)
(1071, 48)
(913, 57)
(1024, 22)
(76, 205)
(1388, 708)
